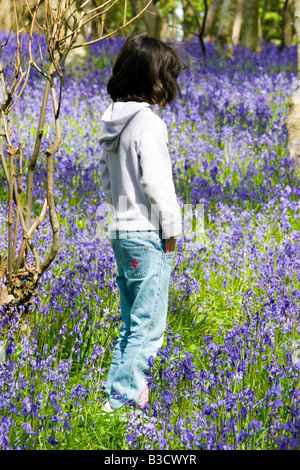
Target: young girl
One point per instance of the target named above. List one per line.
(136, 177)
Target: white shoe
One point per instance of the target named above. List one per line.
(107, 408)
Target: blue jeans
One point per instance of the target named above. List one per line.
(144, 271)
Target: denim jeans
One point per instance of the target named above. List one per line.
(144, 271)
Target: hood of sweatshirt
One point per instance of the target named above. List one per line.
(115, 119)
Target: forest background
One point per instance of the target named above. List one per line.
(248, 20)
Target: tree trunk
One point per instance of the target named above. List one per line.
(249, 31)
(211, 19)
(6, 15)
(77, 57)
(151, 18)
(24, 16)
(293, 119)
(224, 35)
(287, 24)
(187, 22)
(259, 42)
(237, 25)
(135, 5)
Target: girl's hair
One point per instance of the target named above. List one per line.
(146, 69)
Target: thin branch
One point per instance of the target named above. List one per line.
(125, 13)
(36, 150)
(31, 29)
(96, 9)
(17, 65)
(38, 221)
(28, 235)
(201, 34)
(60, 95)
(22, 89)
(83, 14)
(18, 196)
(50, 191)
(6, 129)
(3, 162)
(18, 77)
(200, 27)
(34, 21)
(34, 65)
(52, 212)
(110, 4)
(6, 174)
(11, 151)
(56, 115)
(115, 31)
(15, 195)
(71, 11)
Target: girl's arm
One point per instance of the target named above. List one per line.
(105, 178)
(156, 178)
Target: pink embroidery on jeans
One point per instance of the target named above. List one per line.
(143, 397)
(134, 263)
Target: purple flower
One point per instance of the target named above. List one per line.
(168, 397)
(53, 441)
(27, 428)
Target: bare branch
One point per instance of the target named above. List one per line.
(36, 150)
(18, 195)
(15, 195)
(26, 75)
(115, 31)
(50, 191)
(125, 13)
(11, 152)
(52, 212)
(28, 235)
(33, 16)
(64, 20)
(100, 7)
(6, 174)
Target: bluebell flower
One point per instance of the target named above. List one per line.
(53, 441)
(27, 428)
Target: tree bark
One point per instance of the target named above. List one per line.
(293, 119)
(6, 10)
(287, 20)
(77, 57)
(211, 19)
(187, 22)
(135, 9)
(259, 42)
(224, 35)
(237, 25)
(24, 17)
(151, 18)
(249, 31)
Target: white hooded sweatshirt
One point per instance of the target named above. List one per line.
(136, 171)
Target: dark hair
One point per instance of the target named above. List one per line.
(146, 69)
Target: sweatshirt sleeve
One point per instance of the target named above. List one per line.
(156, 174)
(105, 178)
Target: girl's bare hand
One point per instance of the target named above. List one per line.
(170, 244)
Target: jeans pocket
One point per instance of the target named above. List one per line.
(135, 260)
(169, 258)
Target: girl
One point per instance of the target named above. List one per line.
(136, 177)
